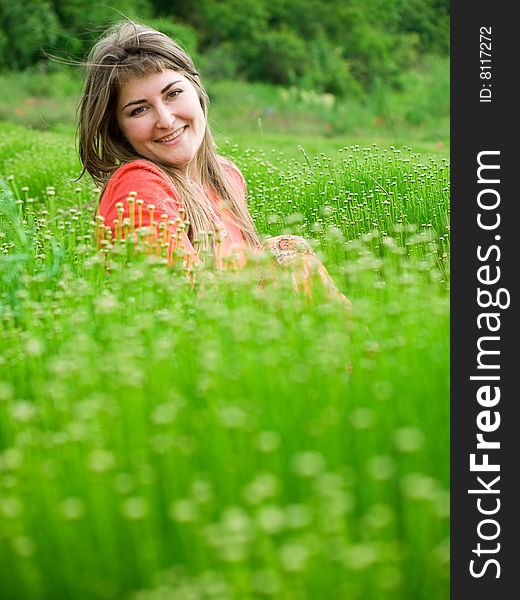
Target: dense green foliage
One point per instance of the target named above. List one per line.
(227, 443)
(327, 45)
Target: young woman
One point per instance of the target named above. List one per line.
(144, 138)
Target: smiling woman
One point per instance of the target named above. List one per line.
(144, 138)
(140, 89)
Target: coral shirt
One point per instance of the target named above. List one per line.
(153, 186)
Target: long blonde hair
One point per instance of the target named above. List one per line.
(129, 50)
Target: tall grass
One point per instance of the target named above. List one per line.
(165, 440)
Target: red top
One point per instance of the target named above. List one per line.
(153, 186)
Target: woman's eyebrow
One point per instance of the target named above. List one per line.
(165, 89)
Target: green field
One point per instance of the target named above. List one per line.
(160, 441)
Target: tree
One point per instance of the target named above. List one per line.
(28, 26)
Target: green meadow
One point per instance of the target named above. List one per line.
(161, 439)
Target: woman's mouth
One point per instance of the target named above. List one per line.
(172, 137)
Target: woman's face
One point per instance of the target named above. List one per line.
(162, 118)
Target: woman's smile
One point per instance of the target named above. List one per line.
(172, 138)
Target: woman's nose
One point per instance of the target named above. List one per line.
(165, 117)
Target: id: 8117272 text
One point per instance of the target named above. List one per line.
(485, 64)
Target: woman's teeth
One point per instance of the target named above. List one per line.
(173, 136)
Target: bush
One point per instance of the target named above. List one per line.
(426, 90)
(27, 27)
(328, 71)
(220, 62)
(278, 56)
(83, 22)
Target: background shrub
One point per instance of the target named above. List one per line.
(334, 46)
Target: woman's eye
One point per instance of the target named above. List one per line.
(137, 111)
(173, 93)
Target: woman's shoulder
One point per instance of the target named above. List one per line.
(142, 177)
(230, 167)
(227, 163)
